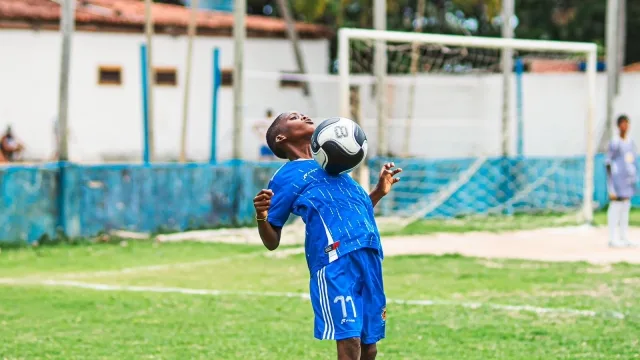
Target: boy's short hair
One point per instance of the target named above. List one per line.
(274, 130)
(622, 118)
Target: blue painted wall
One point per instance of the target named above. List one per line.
(93, 199)
(28, 207)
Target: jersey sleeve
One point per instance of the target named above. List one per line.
(284, 195)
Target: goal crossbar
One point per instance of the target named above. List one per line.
(345, 35)
(475, 41)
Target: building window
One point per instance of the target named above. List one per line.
(110, 75)
(166, 76)
(291, 82)
(226, 77)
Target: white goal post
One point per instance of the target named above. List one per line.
(589, 50)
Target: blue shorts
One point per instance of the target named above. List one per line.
(348, 298)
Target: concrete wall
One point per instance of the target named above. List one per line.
(454, 115)
(105, 121)
(87, 200)
(460, 115)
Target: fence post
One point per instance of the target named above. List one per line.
(61, 220)
(214, 106)
(519, 104)
(144, 70)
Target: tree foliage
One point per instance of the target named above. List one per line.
(568, 20)
(312, 10)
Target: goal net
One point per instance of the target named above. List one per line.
(434, 105)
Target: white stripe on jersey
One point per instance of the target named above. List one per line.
(323, 304)
(332, 329)
(333, 254)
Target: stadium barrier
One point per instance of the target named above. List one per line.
(82, 201)
(498, 185)
(99, 198)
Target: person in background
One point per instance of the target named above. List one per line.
(260, 129)
(621, 183)
(10, 147)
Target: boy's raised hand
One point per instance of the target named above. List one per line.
(387, 179)
(262, 202)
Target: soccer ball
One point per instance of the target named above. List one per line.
(339, 145)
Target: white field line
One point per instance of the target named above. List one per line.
(187, 291)
(185, 265)
(150, 268)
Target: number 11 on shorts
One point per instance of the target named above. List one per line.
(343, 302)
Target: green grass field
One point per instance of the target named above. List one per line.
(160, 302)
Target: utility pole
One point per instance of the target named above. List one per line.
(612, 43)
(67, 22)
(191, 32)
(380, 64)
(415, 60)
(148, 17)
(508, 11)
(622, 41)
(239, 36)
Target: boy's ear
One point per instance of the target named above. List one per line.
(280, 138)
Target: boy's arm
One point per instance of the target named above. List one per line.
(385, 182)
(269, 234)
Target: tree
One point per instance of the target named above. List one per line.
(568, 20)
(481, 10)
(311, 10)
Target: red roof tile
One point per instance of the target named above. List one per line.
(635, 67)
(130, 13)
(552, 66)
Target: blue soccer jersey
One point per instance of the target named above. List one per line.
(338, 213)
(343, 249)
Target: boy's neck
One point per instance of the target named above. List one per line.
(623, 134)
(297, 152)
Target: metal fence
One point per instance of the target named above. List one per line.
(82, 201)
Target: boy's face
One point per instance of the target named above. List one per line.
(624, 126)
(297, 126)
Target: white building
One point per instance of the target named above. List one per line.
(105, 105)
(454, 115)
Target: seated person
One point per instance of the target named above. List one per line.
(10, 147)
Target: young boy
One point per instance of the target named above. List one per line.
(342, 243)
(621, 183)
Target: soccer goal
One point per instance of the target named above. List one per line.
(435, 107)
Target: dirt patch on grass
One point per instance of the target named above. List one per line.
(566, 244)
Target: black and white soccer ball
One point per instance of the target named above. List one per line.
(339, 145)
